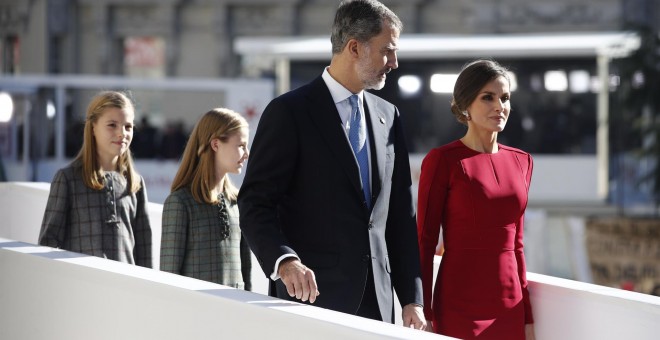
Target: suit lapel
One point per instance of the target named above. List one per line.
(323, 112)
(378, 139)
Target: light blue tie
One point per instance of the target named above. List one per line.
(357, 135)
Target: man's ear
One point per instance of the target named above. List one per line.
(353, 47)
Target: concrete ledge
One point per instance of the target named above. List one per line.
(22, 207)
(566, 309)
(47, 293)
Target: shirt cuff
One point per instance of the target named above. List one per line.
(275, 275)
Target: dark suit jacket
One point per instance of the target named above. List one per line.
(302, 195)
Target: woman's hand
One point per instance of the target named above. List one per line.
(529, 332)
(429, 326)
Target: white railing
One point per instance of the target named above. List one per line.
(566, 309)
(47, 293)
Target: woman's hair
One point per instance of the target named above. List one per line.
(197, 169)
(473, 77)
(87, 157)
(360, 20)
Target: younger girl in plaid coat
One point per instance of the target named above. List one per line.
(201, 234)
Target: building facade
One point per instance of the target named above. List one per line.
(193, 38)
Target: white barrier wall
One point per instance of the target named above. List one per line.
(53, 294)
(22, 206)
(567, 310)
(47, 293)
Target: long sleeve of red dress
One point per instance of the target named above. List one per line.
(430, 206)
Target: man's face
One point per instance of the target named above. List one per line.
(378, 58)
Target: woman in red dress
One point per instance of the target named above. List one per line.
(476, 189)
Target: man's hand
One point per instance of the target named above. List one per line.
(299, 280)
(413, 316)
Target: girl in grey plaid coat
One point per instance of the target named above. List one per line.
(201, 234)
(98, 204)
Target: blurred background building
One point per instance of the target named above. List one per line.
(586, 101)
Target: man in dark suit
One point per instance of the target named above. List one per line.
(326, 202)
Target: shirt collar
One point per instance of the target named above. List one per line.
(338, 92)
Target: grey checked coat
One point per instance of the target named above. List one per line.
(192, 245)
(111, 223)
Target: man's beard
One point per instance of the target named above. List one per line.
(370, 79)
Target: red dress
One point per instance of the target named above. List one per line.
(480, 200)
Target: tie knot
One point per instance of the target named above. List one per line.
(354, 101)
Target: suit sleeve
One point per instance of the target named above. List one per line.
(174, 235)
(432, 194)
(269, 171)
(53, 227)
(246, 264)
(401, 233)
(520, 256)
(142, 229)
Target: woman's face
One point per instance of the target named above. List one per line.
(230, 155)
(490, 109)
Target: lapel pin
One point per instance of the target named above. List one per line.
(382, 120)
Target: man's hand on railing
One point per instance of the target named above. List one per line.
(299, 280)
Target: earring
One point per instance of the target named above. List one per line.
(467, 116)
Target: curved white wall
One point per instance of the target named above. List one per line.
(566, 309)
(22, 206)
(48, 293)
